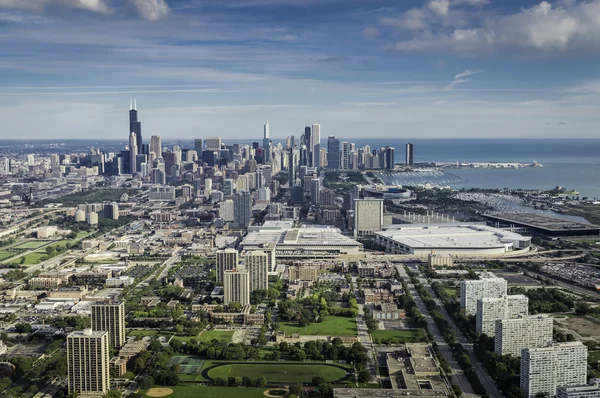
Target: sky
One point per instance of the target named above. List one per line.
(361, 68)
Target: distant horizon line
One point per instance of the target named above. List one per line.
(322, 140)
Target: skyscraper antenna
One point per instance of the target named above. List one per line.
(130, 104)
(135, 104)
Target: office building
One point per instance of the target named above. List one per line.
(489, 310)
(257, 264)
(333, 153)
(389, 158)
(242, 209)
(368, 217)
(198, 147)
(236, 287)
(110, 318)
(305, 159)
(88, 356)
(513, 335)
(584, 391)
(556, 365)
(135, 127)
(472, 290)
(410, 154)
(315, 149)
(226, 260)
(345, 156)
(156, 146)
(315, 191)
(213, 143)
(111, 211)
(133, 149)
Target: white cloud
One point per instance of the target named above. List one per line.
(370, 32)
(440, 7)
(90, 5)
(468, 72)
(461, 78)
(152, 10)
(543, 28)
(99, 6)
(413, 19)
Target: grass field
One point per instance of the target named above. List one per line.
(331, 326)
(142, 333)
(215, 334)
(32, 244)
(34, 258)
(188, 365)
(395, 336)
(279, 372)
(5, 255)
(451, 292)
(194, 391)
(594, 356)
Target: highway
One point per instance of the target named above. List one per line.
(457, 375)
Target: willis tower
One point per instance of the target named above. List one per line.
(135, 126)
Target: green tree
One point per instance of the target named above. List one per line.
(318, 380)
(326, 389)
(113, 394)
(364, 376)
(296, 389)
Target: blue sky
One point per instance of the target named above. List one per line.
(360, 68)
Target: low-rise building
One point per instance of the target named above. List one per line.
(44, 283)
(377, 296)
(118, 366)
(303, 273)
(388, 311)
(584, 391)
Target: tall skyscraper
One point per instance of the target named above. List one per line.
(316, 145)
(489, 310)
(266, 144)
(333, 153)
(135, 126)
(389, 157)
(242, 209)
(198, 145)
(213, 143)
(133, 152)
(292, 168)
(156, 146)
(227, 260)
(489, 286)
(257, 263)
(236, 287)
(110, 318)
(345, 156)
(368, 216)
(410, 154)
(88, 362)
(307, 142)
(559, 364)
(315, 191)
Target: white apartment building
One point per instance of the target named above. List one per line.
(368, 216)
(88, 362)
(514, 335)
(161, 194)
(578, 392)
(546, 368)
(257, 263)
(489, 286)
(489, 310)
(110, 318)
(226, 260)
(236, 287)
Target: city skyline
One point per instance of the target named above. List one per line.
(437, 68)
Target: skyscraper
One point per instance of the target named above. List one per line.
(389, 157)
(110, 318)
(410, 154)
(88, 362)
(242, 209)
(236, 287)
(213, 143)
(257, 263)
(226, 260)
(488, 286)
(315, 148)
(135, 126)
(198, 145)
(368, 216)
(133, 152)
(266, 144)
(307, 141)
(292, 168)
(156, 146)
(333, 153)
(513, 335)
(489, 310)
(345, 158)
(315, 191)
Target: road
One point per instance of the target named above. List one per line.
(174, 259)
(577, 289)
(364, 337)
(458, 376)
(486, 381)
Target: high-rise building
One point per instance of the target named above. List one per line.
(111, 211)
(546, 368)
(257, 263)
(292, 168)
(88, 356)
(135, 126)
(198, 145)
(266, 143)
(110, 318)
(315, 191)
(389, 158)
(213, 143)
(513, 335)
(236, 287)
(345, 156)
(489, 286)
(242, 209)
(368, 216)
(315, 148)
(489, 310)
(156, 146)
(226, 260)
(410, 154)
(133, 152)
(308, 145)
(333, 153)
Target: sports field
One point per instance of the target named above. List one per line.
(32, 244)
(331, 326)
(215, 335)
(195, 391)
(278, 372)
(188, 365)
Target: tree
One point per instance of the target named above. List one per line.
(326, 389)
(296, 389)
(456, 390)
(582, 308)
(260, 381)
(145, 382)
(318, 380)
(113, 394)
(23, 327)
(364, 376)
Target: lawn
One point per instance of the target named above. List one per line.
(594, 356)
(194, 391)
(215, 334)
(34, 258)
(32, 244)
(298, 372)
(142, 333)
(5, 255)
(451, 292)
(331, 326)
(394, 336)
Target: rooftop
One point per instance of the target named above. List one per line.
(542, 222)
